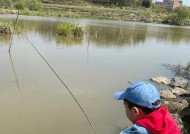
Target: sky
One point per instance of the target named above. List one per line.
(185, 2)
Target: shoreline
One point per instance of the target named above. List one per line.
(142, 15)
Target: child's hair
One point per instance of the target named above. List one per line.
(145, 110)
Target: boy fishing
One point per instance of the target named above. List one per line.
(143, 108)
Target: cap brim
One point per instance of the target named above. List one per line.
(118, 96)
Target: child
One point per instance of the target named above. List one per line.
(143, 108)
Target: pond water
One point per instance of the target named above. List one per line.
(33, 100)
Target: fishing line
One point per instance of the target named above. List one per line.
(62, 83)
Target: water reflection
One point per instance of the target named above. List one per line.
(111, 35)
(5, 39)
(68, 41)
(117, 36)
(173, 35)
(179, 34)
(48, 31)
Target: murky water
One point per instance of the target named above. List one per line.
(93, 67)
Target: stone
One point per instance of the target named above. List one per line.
(179, 91)
(179, 122)
(167, 94)
(185, 112)
(13, 12)
(2, 12)
(184, 102)
(179, 82)
(186, 123)
(175, 107)
(133, 15)
(161, 80)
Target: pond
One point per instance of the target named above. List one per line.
(94, 67)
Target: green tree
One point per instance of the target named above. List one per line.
(130, 3)
(146, 3)
(179, 15)
(159, 9)
(182, 13)
(113, 2)
(6, 3)
(19, 4)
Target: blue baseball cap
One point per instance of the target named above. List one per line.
(141, 93)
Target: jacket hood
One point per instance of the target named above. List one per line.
(160, 122)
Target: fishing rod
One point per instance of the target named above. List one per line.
(62, 83)
(15, 74)
(13, 32)
(19, 91)
(95, 132)
(14, 70)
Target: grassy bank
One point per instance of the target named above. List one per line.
(126, 14)
(87, 9)
(5, 28)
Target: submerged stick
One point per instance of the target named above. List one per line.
(63, 84)
(13, 31)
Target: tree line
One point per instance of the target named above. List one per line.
(21, 4)
(130, 3)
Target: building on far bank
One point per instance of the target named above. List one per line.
(169, 3)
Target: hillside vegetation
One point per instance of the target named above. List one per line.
(126, 10)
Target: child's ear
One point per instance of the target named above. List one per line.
(135, 111)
